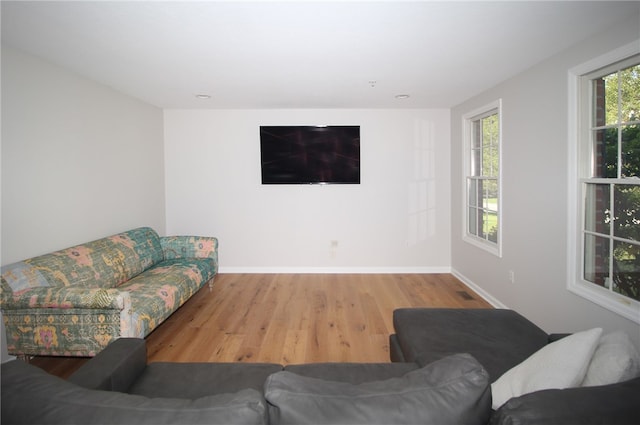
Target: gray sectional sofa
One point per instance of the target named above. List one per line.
(437, 377)
(117, 386)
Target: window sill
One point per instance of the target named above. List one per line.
(482, 244)
(619, 304)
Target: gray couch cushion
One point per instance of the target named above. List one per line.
(498, 339)
(353, 373)
(454, 390)
(614, 404)
(194, 380)
(32, 396)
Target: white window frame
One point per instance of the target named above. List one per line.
(578, 168)
(468, 119)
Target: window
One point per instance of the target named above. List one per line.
(607, 236)
(482, 138)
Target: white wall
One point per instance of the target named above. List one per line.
(535, 192)
(396, 219)
(79, 160)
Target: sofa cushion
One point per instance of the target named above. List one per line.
(163, 379)
(144, 250)
(195, 272)
(30, 396)
(353, 373)
(499, 339)
(454, 390)
(103, 263)
(160, 290)
(561, 364)
(615, 404)
(615, 359)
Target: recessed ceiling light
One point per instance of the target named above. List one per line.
(402, 96)
(203, 96)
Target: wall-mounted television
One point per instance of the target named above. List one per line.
(310, 154)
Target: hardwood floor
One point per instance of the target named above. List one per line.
(292, 318)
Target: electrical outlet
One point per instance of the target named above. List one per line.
(512, 276)
(334, 247)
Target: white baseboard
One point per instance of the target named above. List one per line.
(336, 270)
(484, 294)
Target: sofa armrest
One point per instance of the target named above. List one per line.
(189, 247)
(65, 297)
(606, 404)
(115, 368)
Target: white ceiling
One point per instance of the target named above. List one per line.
(302, 54)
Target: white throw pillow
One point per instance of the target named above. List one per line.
(615, 360)
(561, 364)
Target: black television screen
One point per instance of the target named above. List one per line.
(310, 154)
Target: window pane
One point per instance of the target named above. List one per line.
(476, 163)
(605, 153)
(476, 142)
(476, 150)
(597, 209)
(491, 226)
(631, 150)
(482, 224)
(599, 111)
(490, 204)
(472, 191)
(630, 93)
(605, 99)
(490, 161)
(611, 98)
(490, 198)
(490, 146)
(626, 201)
(626, 270)
(473, 221)
(596, 260)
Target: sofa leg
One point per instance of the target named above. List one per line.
(211, 284)
(24, 357)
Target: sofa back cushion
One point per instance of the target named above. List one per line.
(453, 390)
(352, 373)
(32, 396)
(605, 404)
(103, 263)
(195, 380)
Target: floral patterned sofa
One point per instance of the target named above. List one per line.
(75, 301)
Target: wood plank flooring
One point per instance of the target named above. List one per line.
(292, 318)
